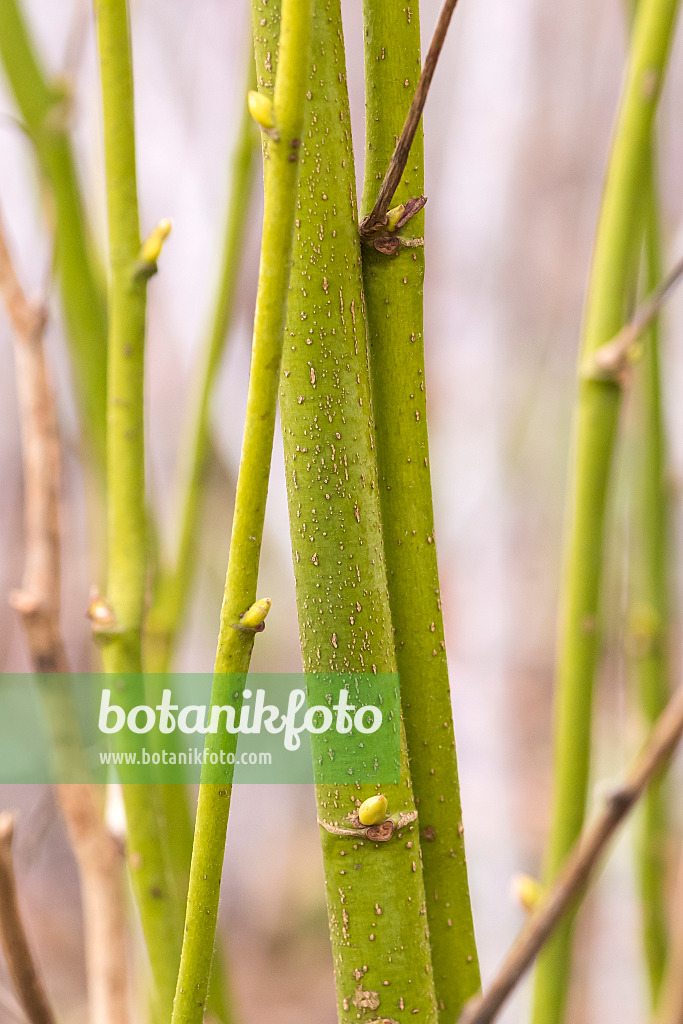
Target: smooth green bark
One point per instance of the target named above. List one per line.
(595, 435)
(234, 644)
(394, 307)
(648, 632)
(44, 108)
(148, 858)
(175, 581)
(375, 893)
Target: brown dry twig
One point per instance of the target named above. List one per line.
(22, 970)
(581, 862)
(38, 600)
(98, 853)
(377, 218)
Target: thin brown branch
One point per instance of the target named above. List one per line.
(22, 969)
(613, 359)
(97, 852)
(581, 862)
(38, 600)
(377, 217)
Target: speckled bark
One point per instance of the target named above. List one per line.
(375, 892)
(393, 291)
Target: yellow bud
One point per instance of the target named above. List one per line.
(261, 109)
(393, 216)
(373, 811)
(255, 615)
(151, 247)
(100, 613)
(527, 891)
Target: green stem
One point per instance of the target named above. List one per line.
(44, 108)
(127, 551)
(174, 585)
(595, 436)
(375, 892)
(649, 612)
(235, 645)
(393, 296)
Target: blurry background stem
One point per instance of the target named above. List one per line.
(45, 111)
(148, 856)
(596, 425)
(27, 982)
(649, 604)
(99, 855)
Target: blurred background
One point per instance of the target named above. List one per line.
(517, 134)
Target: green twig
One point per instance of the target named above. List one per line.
(595, 436)
(235, 645)
(127, 551)
(175, 583)
(650, 613)
(44, 108)
(393, 295)
(375, 891)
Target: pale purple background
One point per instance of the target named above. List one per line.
(518, 126)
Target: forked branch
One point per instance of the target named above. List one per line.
(581, 862)
(610, 361)
(377, 218)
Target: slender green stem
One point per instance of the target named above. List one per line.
(235, 645)
(175, 583)
(649, 612)
(375, 891)
(127, 552)
(44, 108)
(595, 436)
(393, 298)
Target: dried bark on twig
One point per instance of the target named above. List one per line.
(581, 862)
(22, 970)
(38, 600)
(377, 217)
(98, 853)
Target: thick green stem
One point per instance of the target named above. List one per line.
(375, 891)
(649, 611)
(595, 436)
(44, 108)
(235, 645)
(127, 552)
(393, 296)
